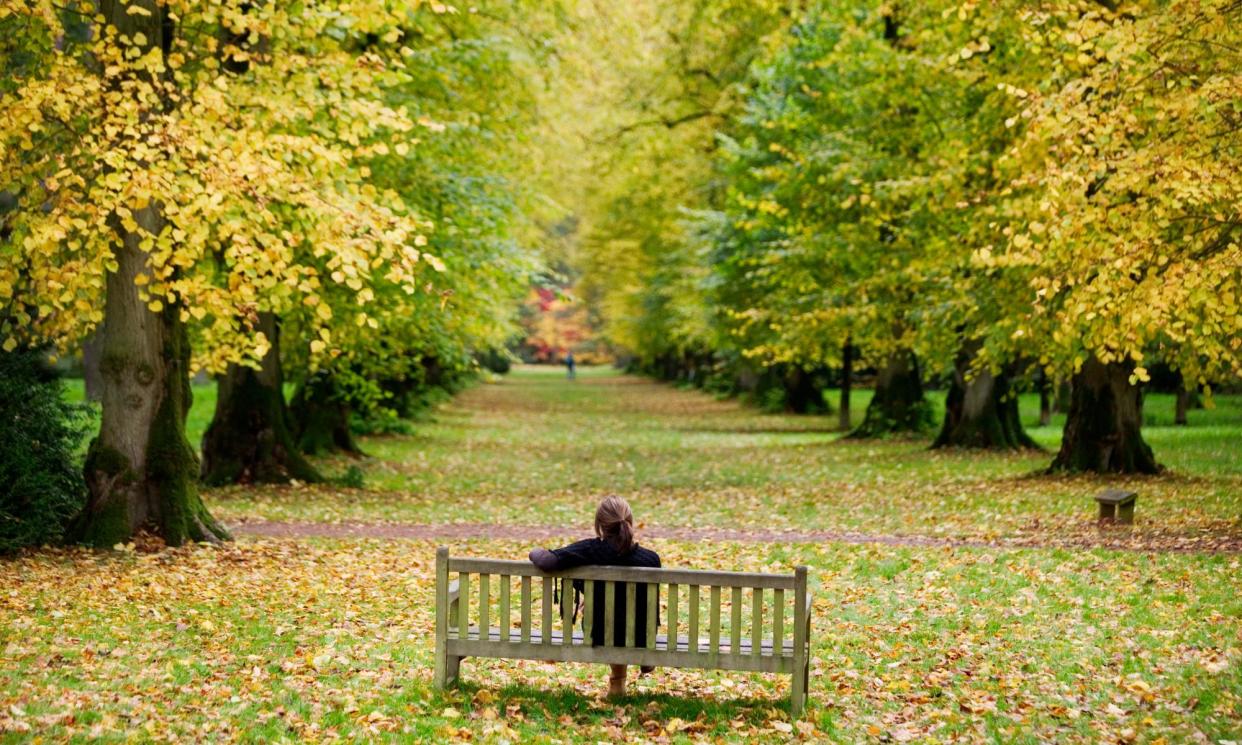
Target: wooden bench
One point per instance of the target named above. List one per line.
(474, 619)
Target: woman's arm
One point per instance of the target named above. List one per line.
(544, 559)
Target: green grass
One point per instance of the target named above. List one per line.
(303, 640)
(536, 449)
(320, 639)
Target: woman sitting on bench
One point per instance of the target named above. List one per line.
(613, 545)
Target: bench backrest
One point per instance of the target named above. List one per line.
(745, 612)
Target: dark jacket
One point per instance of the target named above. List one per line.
(596, 552)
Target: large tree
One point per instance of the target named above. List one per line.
(171, 205)
(1123, 238)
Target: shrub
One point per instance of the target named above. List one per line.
(41, 483)
(498, 361)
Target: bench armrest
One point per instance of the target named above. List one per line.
(808, 620)
(454, 593)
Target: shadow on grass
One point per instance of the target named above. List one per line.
(548, 706)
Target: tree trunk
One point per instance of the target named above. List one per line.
(1061, 402)
(1102, 432)
(1183, 403)
(847, 374)
(803, 394)
(249, 439)
(981, 412)
(92, 379)
(141, 471)
(321, 417)
(898, 405)
(1045, 399)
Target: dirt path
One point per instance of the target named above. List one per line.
(1113, 539)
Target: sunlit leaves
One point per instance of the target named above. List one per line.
(263, 197)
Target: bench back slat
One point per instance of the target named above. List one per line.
(526, 609)
(713, 644)
(463, 605)
(653, 605)
(567, 614)
(588, 611)
(778, 620)
(673, 592)
(631, 612)
(506, 626)
(692, 603)
(735, 621)
(547, 609)
(627, 574)
(485, 581)
(756, 622)
(610, 616)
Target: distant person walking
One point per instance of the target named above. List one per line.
(569, 364)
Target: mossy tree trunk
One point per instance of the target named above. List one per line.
(141, 471)
(249, 440)
(320, 416)
(1103, 429)
(804, 391)
(898, 406)
(981, 411)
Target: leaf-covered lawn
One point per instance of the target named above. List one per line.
(319, 639)
(535, 449)
(281, 639)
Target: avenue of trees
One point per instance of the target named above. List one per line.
(355, 199)
(993, 195)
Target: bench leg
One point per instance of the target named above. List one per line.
(452, 671)
(797, 697)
